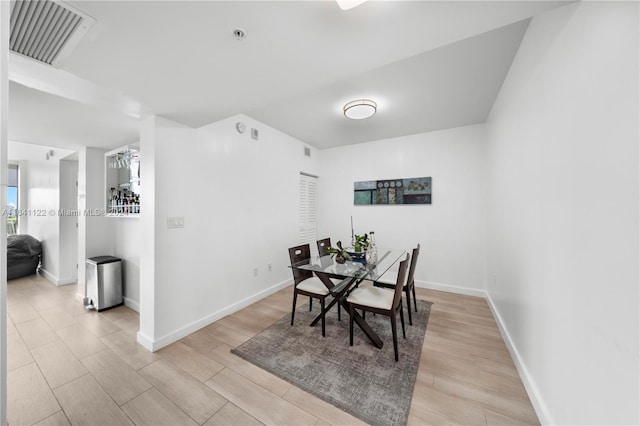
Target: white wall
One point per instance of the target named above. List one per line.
(95, 233)
(5, 13)
(146, 333)
(238, 198)
(451, 230)
(105, 236)
(23, 194)
(563, 212)
(44, 202)
(40, 199)
(68, 223)
(126, 236)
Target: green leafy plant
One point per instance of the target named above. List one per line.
(361, 242)
(339, 252)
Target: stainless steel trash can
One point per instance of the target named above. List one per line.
(104, 282)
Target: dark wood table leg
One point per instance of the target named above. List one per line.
(326, 309)
(368, 331)
(330, 286)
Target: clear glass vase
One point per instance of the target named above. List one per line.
(371, 255)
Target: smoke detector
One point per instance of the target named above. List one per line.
(239, 33)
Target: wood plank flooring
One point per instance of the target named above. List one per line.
(67, 366)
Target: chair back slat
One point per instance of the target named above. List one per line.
(323, 246)
(402, 271)
(412, 267)
(300, 255)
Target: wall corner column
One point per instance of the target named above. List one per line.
(146, 335)
(4, 135)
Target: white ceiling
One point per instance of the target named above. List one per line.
(429, 65)
(44, 119)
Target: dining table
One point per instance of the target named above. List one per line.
(350, 273)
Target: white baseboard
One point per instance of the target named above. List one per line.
(154, 345)
(55, 280)
(132, 304)
(48, 275)
(532, 390)
(145, 341)
(67, 281)
(451, 288)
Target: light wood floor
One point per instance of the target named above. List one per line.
(67, 365)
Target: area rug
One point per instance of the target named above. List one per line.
(360, 379)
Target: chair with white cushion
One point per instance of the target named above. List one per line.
(381, 301)
(409, 287)
(305, 282)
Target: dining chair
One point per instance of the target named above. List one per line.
(408, 287)
(323, 250)
(323, 246)
(381, 301)
(305, 282)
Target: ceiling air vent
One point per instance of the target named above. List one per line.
(46, 30)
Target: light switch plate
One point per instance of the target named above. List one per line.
(175, 222)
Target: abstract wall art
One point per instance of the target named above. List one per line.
(393, 191)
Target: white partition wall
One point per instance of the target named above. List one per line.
(4, 114)
(223, 207)
(95, 233)
(68, 223)
(563, 212)
(147, 288)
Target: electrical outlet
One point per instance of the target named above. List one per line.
(269, 267)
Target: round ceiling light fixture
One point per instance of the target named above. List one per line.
(360, 109)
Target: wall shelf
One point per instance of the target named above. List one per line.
(122, 179)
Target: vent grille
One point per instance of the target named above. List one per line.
(46, 30)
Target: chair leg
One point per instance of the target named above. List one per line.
(415, 304)
(310, 303)
(339, 319)
(394, 333)
(409, 306)
(322, 307)
(293, 310)
(404, 335)
(351, 312)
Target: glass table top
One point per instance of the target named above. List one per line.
(354, 269)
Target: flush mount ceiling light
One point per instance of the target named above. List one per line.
(348, 4)
(360, 109)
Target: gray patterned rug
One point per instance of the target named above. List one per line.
(361, 380)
